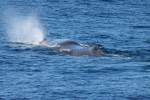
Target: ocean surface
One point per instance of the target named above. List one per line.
(122, 27)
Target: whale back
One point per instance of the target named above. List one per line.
(68, 43)
(76, 49)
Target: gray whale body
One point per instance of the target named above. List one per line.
(74, 48)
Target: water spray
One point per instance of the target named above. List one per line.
(25, 29)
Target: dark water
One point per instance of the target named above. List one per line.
(121, 26)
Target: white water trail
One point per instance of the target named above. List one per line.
(24, 29)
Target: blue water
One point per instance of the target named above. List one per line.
(121, 26)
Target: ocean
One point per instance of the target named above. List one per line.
(122, 27)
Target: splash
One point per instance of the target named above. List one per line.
(25, 29)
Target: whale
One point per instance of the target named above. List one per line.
(73, 48)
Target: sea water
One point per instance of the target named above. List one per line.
(36, 73)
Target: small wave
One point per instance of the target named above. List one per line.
(21, 47)
(141, 27)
